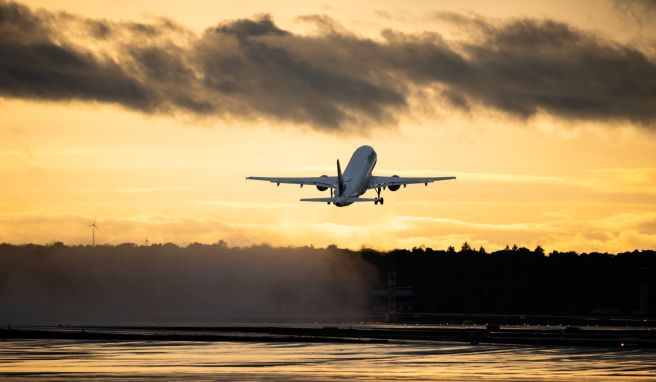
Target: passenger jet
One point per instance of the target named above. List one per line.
(346, 188)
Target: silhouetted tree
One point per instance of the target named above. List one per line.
(539, 250)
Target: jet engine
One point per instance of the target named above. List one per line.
(322, 188)
(394, 187)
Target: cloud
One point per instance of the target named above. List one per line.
(331, 79)
(34, 65)
(612, 233)
(555, 230)
(640, 11)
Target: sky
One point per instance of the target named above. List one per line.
(148, 116)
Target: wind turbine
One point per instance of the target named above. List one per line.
(147, 242)
(93, 232)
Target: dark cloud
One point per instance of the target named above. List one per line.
(262, 26)
(34, 65)
(332, 79)
(528, 66)
(47, 71)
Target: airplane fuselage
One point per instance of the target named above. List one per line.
(357, 174)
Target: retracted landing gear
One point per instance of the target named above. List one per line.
(378, 198)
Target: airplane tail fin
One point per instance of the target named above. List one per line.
(340, 179)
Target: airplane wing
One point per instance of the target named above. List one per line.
(333, 200)
(387, 181)
(323, 181)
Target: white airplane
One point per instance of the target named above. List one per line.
(357, 179)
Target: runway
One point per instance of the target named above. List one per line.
(150, 360)
(543, 335)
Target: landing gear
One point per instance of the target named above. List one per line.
(378, 198)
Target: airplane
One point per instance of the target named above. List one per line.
(346, 188)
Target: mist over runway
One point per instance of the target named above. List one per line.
(166, 283)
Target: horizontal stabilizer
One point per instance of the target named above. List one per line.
(341, 200)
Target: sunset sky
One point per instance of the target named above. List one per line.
(148, 116)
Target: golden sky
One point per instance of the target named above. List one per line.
(538, 160)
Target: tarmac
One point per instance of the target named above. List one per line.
(589, 336)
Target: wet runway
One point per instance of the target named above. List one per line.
(317, 352)
(64, 360)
